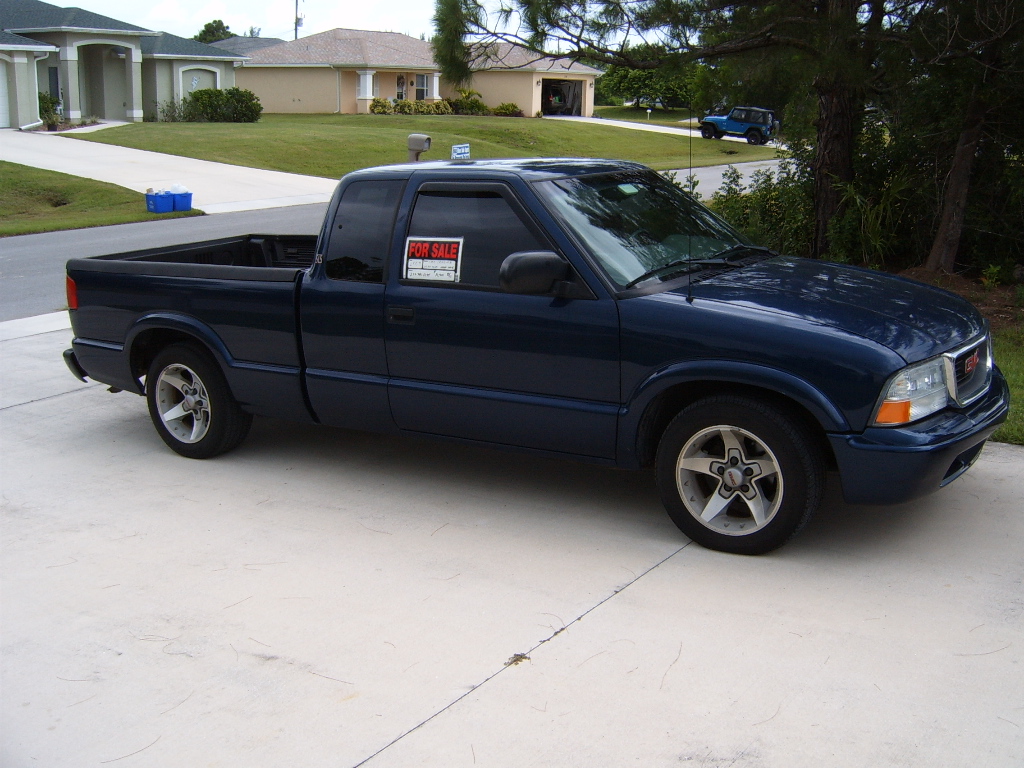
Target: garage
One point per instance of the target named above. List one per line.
(562, 97)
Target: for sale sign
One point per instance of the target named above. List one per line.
(433, 258)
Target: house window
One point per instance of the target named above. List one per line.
(421, 87)
(376, 86)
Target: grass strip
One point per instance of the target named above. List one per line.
(332, 145)
(670, 117)
(33, 201)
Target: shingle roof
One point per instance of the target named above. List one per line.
(508, 56)
(246, 45)
(351, 47)
(166, 44)
(37, 15)
(9, 40)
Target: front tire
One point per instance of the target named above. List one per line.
(191, 405)
(738, 475)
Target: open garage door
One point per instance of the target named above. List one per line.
(562, 97)
(5, 105)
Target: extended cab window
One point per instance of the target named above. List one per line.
(361, 233)
(476, 229)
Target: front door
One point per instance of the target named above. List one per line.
(467, 360)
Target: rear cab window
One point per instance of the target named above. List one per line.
(361, 232)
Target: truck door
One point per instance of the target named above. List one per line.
(468, 360)
(342, 307)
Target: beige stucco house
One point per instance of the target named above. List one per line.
(97, 66)
(538, 84)
(343, 70)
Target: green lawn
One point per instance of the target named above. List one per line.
(671, 117)
(332, 145)
(33, 201)
(1009, 354)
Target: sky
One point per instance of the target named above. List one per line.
(274, 17)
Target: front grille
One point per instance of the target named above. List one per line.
(972, 369)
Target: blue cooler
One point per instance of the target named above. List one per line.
(183, 202)
(161, 202)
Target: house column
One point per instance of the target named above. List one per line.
(364, 94)
(69, 86)
(133, 84)
(435, 86)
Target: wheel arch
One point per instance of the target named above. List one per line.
(657, 403)
(152, 333)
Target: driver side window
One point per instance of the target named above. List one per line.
(489, 227)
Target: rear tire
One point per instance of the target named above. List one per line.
(191, 405)
(708, 131)
(754, 137)
(738, 475)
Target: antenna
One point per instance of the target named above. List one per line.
(689, 236)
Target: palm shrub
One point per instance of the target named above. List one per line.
(508, 109)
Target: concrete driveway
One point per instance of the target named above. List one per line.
(215, 187)
(330, 598)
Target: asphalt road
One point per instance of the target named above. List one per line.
(32, 266)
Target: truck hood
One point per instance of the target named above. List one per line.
(912, 319)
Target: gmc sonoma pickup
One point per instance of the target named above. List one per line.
(578, 308)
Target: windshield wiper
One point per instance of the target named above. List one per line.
(723, 258)
(727, 255)
(679, 265)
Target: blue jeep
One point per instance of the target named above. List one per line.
(758, 125)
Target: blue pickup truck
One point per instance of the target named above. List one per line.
(575, 308)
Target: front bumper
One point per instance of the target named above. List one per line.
(895, 464)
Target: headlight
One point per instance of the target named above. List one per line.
(913, 393)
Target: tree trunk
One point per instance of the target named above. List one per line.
(958, 183)
(833, 158)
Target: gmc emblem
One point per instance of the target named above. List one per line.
(971, 363)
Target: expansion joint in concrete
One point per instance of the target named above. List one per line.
(521, 655)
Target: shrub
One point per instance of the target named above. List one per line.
(381, 106)
(242, 105)
(508, 109)
(469, 106)
(776, 210)
(441, 107)
(48, 109)
(405, 107)
(208, 105)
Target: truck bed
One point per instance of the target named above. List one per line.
(279, 252)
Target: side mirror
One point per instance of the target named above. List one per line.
(532, 272)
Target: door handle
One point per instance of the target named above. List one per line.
(402, 315)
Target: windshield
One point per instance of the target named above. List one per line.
(635, 223)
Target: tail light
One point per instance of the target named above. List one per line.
(72, 294)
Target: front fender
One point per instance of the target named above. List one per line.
(787, 385)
